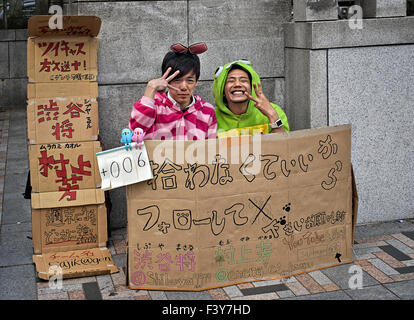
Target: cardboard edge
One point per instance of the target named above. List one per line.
(97, 148)
(30, 59)
(102, 226)
(132, 287)
(33, 169)
(126, 265)
(111, 267)
(355, 201)
(40, 265)
(36, 231)
(31, 125)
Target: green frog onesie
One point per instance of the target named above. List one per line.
(252, 118)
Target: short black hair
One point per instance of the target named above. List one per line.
(236, 66)
(184, 62)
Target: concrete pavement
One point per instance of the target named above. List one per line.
(384, 251)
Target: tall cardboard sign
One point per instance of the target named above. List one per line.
(69, 223)
(250, 211)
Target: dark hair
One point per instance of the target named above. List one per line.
(184, 62)
(236, 66)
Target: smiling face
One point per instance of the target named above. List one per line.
(185, 85)
(237, 83)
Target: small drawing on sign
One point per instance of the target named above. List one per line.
(287, 207)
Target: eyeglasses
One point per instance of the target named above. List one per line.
(220, 69)
(196, 48)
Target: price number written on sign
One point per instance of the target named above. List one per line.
(120, 167)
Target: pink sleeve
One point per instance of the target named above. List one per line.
(212, 127)
(143, 114)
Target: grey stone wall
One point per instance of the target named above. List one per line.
(135, 35)
(13, 65)
(337, 75)
(373, 88)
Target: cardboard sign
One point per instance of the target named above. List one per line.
(65, 167)
(69, 228)
(62, 60)
(251, 211)
(73, 26)
(68, 211)
(119, 167)
(54, 119)
(67, 55)
(72, 264)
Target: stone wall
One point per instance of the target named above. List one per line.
(13, 75)
(337, 75)
(135, 35)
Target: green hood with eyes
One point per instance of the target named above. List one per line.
(227, 120)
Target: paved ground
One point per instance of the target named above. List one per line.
(385, 252)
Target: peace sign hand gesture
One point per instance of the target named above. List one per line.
(262, 103)
(160, 84)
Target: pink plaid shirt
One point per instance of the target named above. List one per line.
(161, 119)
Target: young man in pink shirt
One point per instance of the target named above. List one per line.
(169, 108)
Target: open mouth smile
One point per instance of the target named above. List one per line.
(238, 92)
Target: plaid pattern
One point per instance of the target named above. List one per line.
(161, 119)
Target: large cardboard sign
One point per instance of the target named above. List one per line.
(251, 211)
(67, 55)
(65, 167)
(55, 115)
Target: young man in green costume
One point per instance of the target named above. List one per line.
(241, 107)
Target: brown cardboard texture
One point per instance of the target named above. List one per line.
(67, 55)
(55, 89)
(86, 26)
(62, 199)
(251, 208)
(69, 228)
(73, 264)
(62, 118)
(66, 167)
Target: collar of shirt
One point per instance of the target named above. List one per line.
(176, 103)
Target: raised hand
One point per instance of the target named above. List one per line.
(262, 103)
(160, 84)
